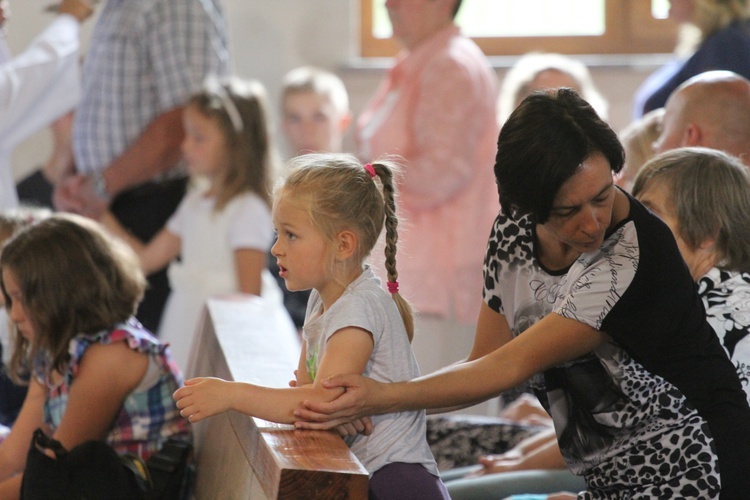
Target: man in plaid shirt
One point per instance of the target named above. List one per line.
(146, 58)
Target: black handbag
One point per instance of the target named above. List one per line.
(91, 471)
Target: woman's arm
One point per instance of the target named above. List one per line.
(551, 341)
(154, 255)
(347, 351)
(539, 451)
(492, 332)
(249, 263)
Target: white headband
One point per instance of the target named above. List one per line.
(214, 86)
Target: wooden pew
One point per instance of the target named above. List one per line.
(238, 457)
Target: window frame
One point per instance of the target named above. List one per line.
(631, 29)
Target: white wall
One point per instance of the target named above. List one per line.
(270, 37)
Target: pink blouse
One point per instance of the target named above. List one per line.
(436, 109)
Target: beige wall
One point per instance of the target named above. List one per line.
(269, 37)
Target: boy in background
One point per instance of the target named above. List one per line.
(315, 117)
(315, 111)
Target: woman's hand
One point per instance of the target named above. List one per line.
(351, 429)
(356, 427)
(526, 409)
(362, 397)
(505, 462)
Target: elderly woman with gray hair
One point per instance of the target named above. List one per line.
(703, 195)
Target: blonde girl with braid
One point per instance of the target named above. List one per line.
(328, 213)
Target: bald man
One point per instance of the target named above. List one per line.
(711, 110)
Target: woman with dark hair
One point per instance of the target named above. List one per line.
(586, 293)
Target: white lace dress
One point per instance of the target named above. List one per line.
(207, 265)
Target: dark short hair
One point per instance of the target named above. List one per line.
(542, 145)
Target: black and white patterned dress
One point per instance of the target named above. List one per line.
(726, 297)
(633, 416)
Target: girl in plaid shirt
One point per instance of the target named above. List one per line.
(95, 373)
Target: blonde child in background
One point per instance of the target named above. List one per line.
(638, 139)
(329, 213)
(222, 230)
(315, 111)
(547, 70)
(315, 117)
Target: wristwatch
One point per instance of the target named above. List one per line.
(99, 184)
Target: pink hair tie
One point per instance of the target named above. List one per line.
(370, 170)
(393, 286)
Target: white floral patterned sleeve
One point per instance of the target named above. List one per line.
(726, 297)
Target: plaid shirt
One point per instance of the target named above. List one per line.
(145, 57)
(147, 418)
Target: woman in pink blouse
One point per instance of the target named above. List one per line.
(436, 110)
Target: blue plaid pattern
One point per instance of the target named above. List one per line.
(147, 419)
(145, 57)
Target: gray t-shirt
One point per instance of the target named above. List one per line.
(396, 437)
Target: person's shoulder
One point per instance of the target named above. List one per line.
(655, 243)
(250, 215)
(642, 216)
(461, 57)
(364, 296)
(736, 31)
(117, 359)
(248, 200)
(465, 46)
(507, 229)
(730, 42)
(168, 12)
(365, 288)
(115, 368)
(646, 224)
(195, 193)
(112, 352)
(510, 245)
(726, 282)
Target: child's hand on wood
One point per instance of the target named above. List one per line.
(202, 397)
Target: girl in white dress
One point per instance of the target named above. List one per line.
(222, 230)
